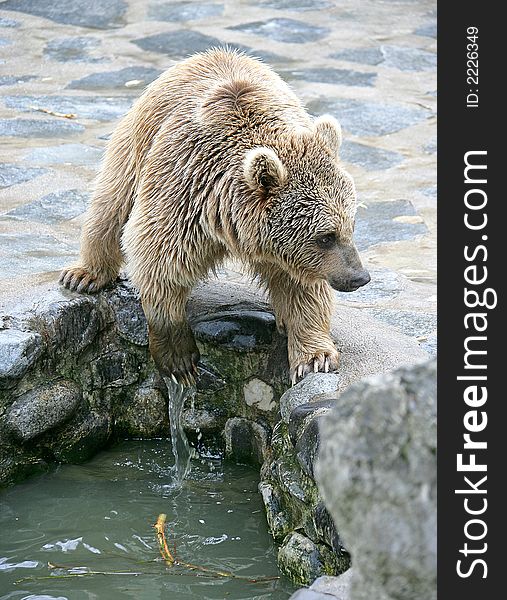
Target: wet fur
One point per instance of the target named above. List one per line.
(219, 158)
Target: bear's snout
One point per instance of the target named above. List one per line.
(352, 283)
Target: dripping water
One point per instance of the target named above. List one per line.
(183, 452)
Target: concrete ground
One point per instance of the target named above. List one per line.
(69, 70)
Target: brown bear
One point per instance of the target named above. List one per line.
(219, 158)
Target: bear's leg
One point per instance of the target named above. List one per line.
(304, 312)
(100, 254)
(172, 343)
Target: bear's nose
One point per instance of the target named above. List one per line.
(362, 278)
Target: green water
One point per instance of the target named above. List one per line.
(100, 516)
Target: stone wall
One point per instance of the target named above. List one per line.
(75, 375)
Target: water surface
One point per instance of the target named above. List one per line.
(100, 517)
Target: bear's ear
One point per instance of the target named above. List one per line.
(330, 132)
(263, 169)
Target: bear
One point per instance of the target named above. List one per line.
(218, 158)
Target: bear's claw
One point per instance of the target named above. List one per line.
(323, 362)
(79, 279)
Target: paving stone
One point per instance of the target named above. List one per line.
(5, 22)
(391, 221)
(177, 44)
(284, 30)
(97, 14)
(384, 285)
(15, 79)
(294, 5)
(366, 118)
(398, 57)
(38, 128)
(184, 11)
(76, 154)
(429, 30)
(140, 76)
(330, 75)
(368, 157)
(365, 56)
(53, 208)
(99, 108)
(26, 253)
(411, 323)
(13, 174)
(73, 49)
(409, 59)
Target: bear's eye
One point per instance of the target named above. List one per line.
(326, 241)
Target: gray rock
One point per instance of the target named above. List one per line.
(75, 154)
(285, 30)
(145, 415)
(238, 330)
(177, 44)
(245, 441)
(294, 5)
(338, 587)
(13, 174)
(53, 208)
(378, 479)
(365, 56)
(367, 118)
(82, 439)
(184, 11)
(385, 284)
(73, 49)
(18, 352)
(383, 222)
(313, 385)
(69, 327)
(278, 522)
(308, 594)
(368, 157)
(39, 410)
(408, 59)
(129, 316)
(98, 108)
(307, 447)
(38, 128)
(302, 414)
(326, 529)
(18, 465)
(331, 76)
(114, 369)
(99, 14)
(141, 76)
(303, 561)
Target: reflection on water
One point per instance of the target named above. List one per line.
(100, 516)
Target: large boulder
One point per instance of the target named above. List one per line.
(377, 473)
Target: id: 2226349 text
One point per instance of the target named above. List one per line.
(472, 67)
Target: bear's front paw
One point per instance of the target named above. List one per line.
(79, 279)
(325, 361)
(176, 354)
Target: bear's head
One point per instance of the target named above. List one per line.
(308, 206)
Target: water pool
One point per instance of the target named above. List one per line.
(99, 517)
